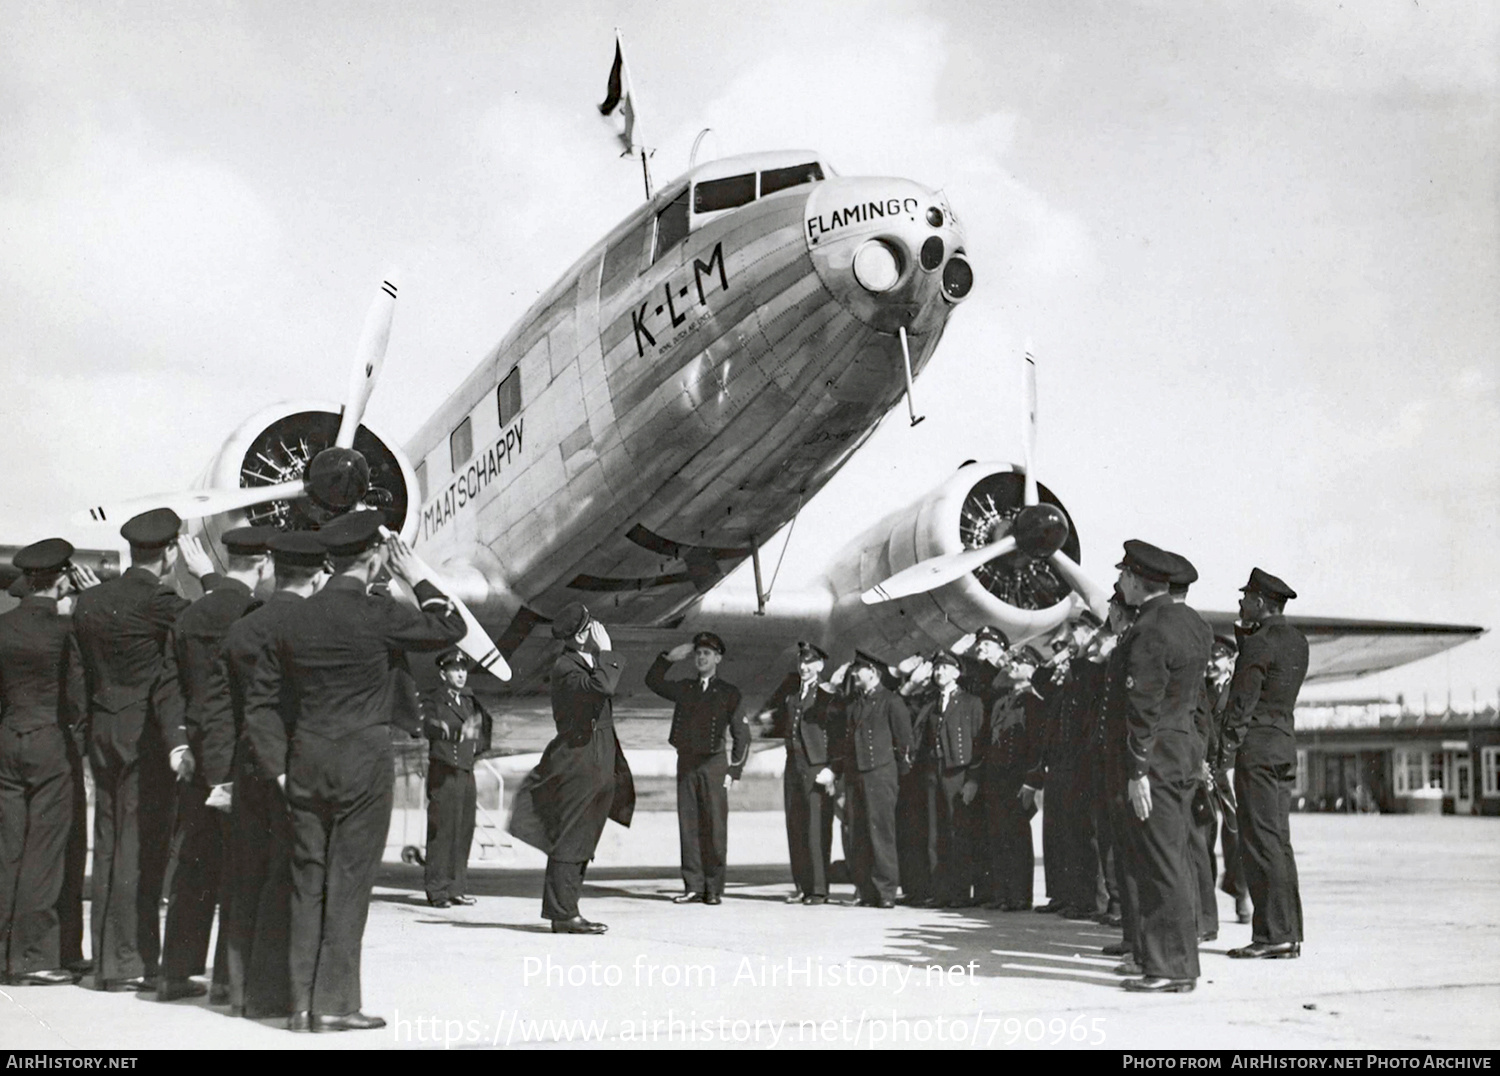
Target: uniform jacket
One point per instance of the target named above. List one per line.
(1167, 651)
(1072, 722)
(1012, 741)
(443, 718)
(877, 731)
(812, 721)
(122, 628)
(982, 680)
(194, 646)
(226, 728)
(951, 739)
(335, 653)
(701, 717)
(41, 675)
(1268, 675)
(583, 694)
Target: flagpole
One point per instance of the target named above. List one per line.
(634, 99)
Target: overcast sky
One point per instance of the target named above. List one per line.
(1257, 246)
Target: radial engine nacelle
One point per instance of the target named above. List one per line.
(276, 444)
(1021, 592)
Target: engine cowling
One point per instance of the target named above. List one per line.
(1019, 592)
(277, 444)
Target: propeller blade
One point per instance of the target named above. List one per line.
(1029, 423)
(367, 363)
(193, 503)
(477, 644)
(935, 572)
(1094, 596)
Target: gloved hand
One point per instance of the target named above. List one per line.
(219, 798)
(181, 761)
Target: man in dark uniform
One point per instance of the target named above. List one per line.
(122, 628)
(582, 780)
(1010, 749)
(41, 699)
(1220, 673)
(257, 924)
(1202, 820)
(1166, 652)
(1115, 818)
(948, 731)
(201, 829)
(459, 730)
(877, 751)
(808, 715)
(1260, 749)
(334, 652)
(704, 708)
(982, 658)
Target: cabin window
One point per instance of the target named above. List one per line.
(624, 257)
(509, 397)
(727, 193)
(461, 444)
(671, 224)
(422, 482)
(779, 179)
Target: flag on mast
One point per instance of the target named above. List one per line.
(618, 95)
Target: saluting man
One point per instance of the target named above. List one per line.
(1011, 747)
(459, 730)
(1167, 651)
(201, 830)
(877, 752)
(704, 708)
(258, 921)
(41, 698)
(582, 780)
(949, 731)
(334, 652)
(122, 628)
(1260, 749)
(808, 714)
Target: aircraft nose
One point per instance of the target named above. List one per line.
(890, 250)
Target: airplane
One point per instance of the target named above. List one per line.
(673, 401)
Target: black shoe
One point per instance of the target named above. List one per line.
(439, 902)
(49, 977)
(354, 1021)
(1109, 919)
(1051, 907)
(300, 1021)
(713, 898)
(140, 984)
(1077, 915)
(996, 905)
(465, 901)
(813, 898)
(577, 925)
(174, 989)
(1130, 967)
(1155, 984)
(1208, 936)
(688, 898)
(1267, 951)
(80, 967)
(1116, 949)
(218, 994)
(796, 897)
(884, 902)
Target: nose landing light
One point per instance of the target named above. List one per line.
(958, 278)
(877, 267)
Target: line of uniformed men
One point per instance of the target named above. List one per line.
(272, 716)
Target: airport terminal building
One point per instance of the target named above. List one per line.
(1385, 758)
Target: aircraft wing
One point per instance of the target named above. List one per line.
(1345, 649)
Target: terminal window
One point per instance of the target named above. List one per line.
(461, 444)
(509, 397)
(1410, 771)
(1489, 765)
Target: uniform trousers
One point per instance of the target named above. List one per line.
(1166, 944)
(259, 912)
(132, 839)
(870, 809)
(809, 825)
(1264, 790)
(1008, 829)
(1233, 880)
(1069, 814)
(1205, 870)
(74, 867)
(950, 832)
(36, 809)
(703, 821)
(1122, 823)
(913, 843)
(197, 873)
(340, 793)
(560, 888)
(1107, 885)
(452, 802)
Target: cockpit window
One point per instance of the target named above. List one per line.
(714, 194)
(779, 179)
(671, 225)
